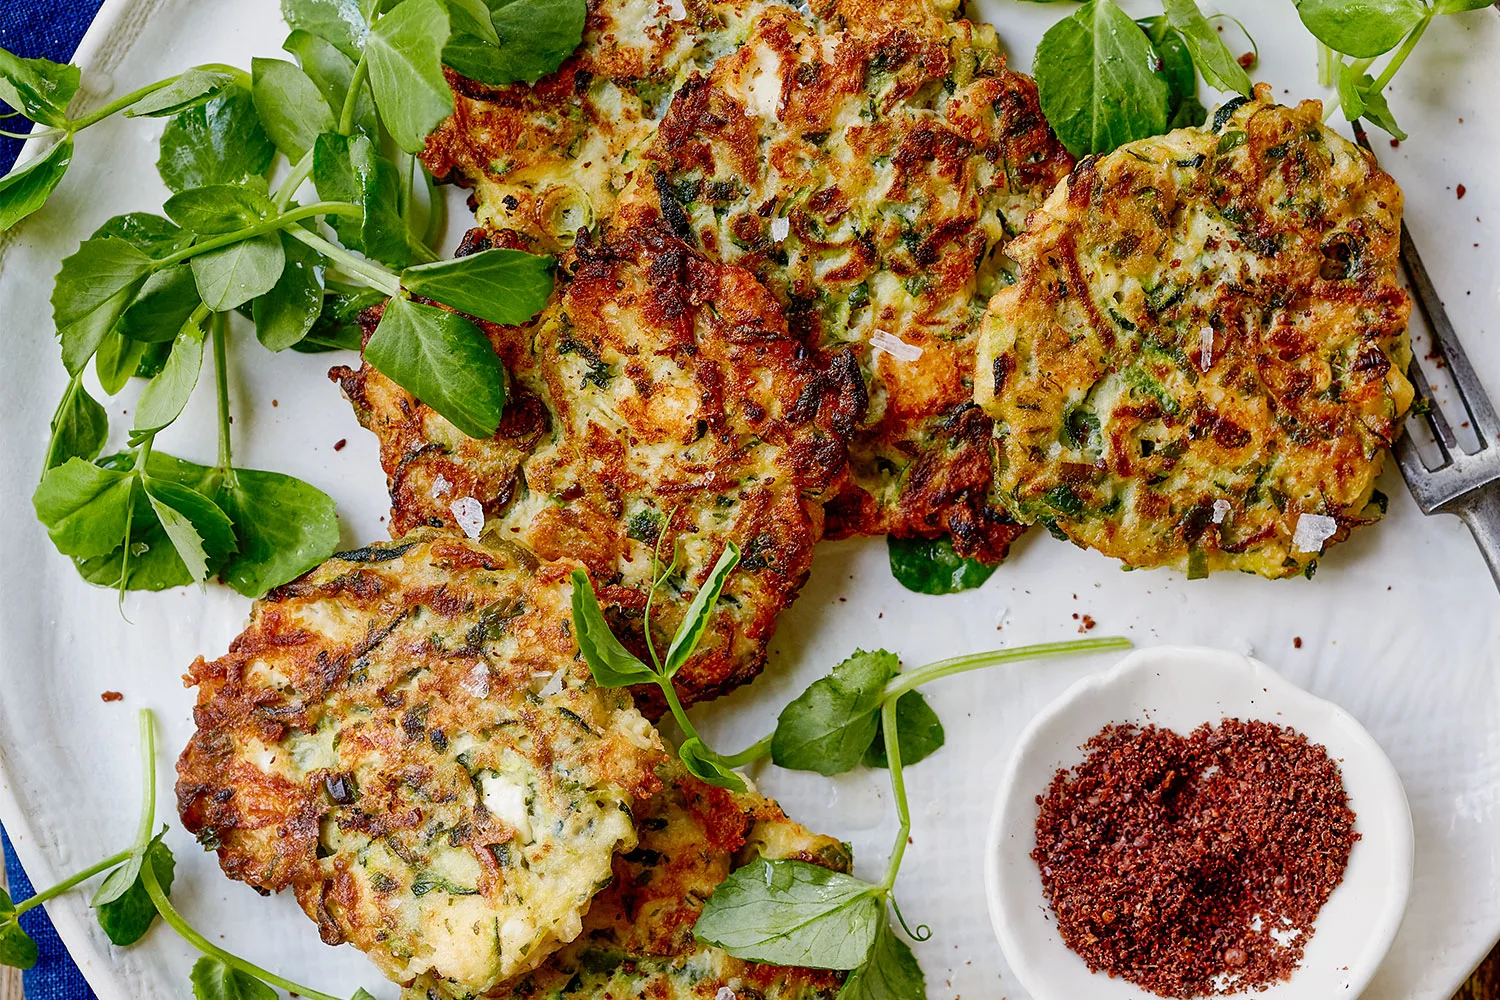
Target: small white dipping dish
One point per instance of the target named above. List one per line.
(1181, 688)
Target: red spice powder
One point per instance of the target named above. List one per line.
(1194, 866)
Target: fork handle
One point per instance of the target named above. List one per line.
(1481, 512)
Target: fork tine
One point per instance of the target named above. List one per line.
(1442, 432)
(1481, 413)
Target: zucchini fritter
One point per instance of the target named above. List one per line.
(867, 160)
(1202, 365)
(637, 940)
(548, 160)
(659, 401)
(407, 738)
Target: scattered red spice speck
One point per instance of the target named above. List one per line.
(1088, 623)
(1297, 642)
(1462, 190)
(339, 444)
(1247, 60)
(275, 402)
(111, 696)
(1395, 143)
(1159, 852)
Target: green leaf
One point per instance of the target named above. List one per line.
(405, 53)
(1177, 69)
(39, 88)
(534, 37)
(216, 980)
(195, 87)
(165, 395)
(337, 327)
(1361, 28)
(1220, 67)
(94, 287)
(153, 563)
(220, 142)
(199, 530)
(151, 234)
(1373, 106)
(917, 727)
(285, 314)
(472, 17)
(502, 286)
(932, 566)
(17, 950)
(443, 360)
(793, 913)
(84, 507)
(25, 190)
(164, 303)
(79, 427)
(218, 208)
(1095, 77)
(1459, 6)
(829, 727)
(695, 620)
(284, 527)
(332, 72)
(890, 973)
(705, 765)
(610, 662)
(340, 22)
(349, 169)
(234, 275)
(116, 361)
(127, 917)
(1351, 100)
(292, 109)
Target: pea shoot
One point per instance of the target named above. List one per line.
(148, 295)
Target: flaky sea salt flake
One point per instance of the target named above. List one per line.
(1312, 531)
(468, 513)
(1206, 348)
(780, 228)
(894, 346)
(440, 487)
(1221, 510)
(725, 993)
(675, 10)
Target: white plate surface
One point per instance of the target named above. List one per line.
(1401, 627)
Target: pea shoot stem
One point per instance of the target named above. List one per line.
(176, 921)
(136, 96)
(1401, 53)
(284, 221)
(898, 789)
(911, 679)
(750, 754)
(368, 272)
(351, 99)
(113, 861)
(220, 330)
(301, 171)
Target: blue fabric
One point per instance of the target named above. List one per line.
(54, 977)
(48, 29)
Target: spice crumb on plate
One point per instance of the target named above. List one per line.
(108, 696)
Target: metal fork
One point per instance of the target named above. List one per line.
(1464, 484)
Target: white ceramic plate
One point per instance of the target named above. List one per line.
(1181, 688)
(1400, 627)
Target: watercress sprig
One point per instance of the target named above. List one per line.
(787, 912)
(612, 665)
(1354, 34)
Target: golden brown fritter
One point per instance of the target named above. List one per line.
(548, 160)
(408, 739)
(659, 401)
(637, 940)
(1202, 363)
(867, 160)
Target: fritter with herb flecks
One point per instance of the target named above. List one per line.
(868, 160)
(1202, 364)
(659, 405)
(408, 739)
(637, 941)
